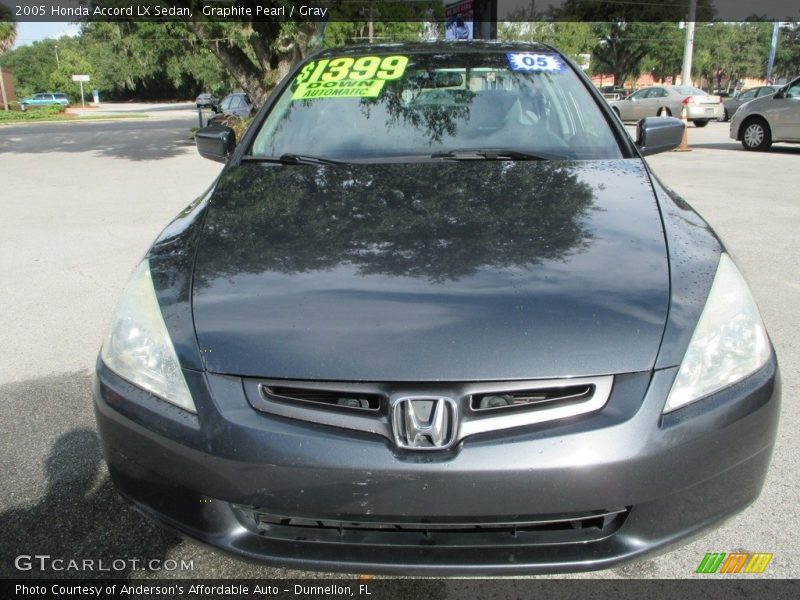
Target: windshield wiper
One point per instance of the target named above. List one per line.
(293, 159)
(490, 154)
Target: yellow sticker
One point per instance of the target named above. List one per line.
(346, 77)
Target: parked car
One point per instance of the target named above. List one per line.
(669, 100)
(613, 92)
(237, 105)
(44, 99)
(421, 329)
(206, 100)
(769, 118)
(733, 103)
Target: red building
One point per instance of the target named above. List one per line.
(8, 85)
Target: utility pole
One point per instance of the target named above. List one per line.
(56, 54)
(370, 24)
(688, 46)
(772, 49)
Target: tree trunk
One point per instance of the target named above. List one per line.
(237, 63)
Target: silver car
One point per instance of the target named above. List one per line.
(669, 100)
(768, 119)
(732, 104)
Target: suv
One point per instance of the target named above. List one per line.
(44, 99)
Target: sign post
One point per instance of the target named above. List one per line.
(81, 79)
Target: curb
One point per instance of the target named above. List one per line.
(93, 119)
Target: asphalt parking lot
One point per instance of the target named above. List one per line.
(82, 201)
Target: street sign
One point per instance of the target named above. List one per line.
(81, 79)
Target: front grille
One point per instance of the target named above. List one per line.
(342, 399)
(479, 407)
(543, 529)
(535, 398)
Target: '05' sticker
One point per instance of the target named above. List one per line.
(529, 61)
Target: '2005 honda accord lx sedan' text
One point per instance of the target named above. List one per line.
(436, 315)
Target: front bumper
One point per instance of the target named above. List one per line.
(734, 130)
(214, 475)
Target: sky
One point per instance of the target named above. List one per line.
(27, 33)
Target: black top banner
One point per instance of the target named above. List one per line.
(397, 10)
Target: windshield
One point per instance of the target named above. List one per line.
(691, 91)
(358, 106)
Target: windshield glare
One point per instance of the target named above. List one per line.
(417, 105)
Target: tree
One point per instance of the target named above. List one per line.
(732, 50)
(626, 31)
(664, 56)
(258, 53)
(371, 21)
(571, 38)
(8, 34)
(71, 62)
(787, 56)
(341, 33)
(33, 64)
(151, 60)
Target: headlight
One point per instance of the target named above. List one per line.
(138, 347)
(728, 344)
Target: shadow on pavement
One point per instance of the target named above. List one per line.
(80, 517)
(135, 139)
(57, 497)
(775, 149)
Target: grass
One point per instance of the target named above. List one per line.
(54, 116)
(33, 114)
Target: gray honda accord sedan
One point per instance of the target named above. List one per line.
(437, 315)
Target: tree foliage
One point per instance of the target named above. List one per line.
(664, 59)
(8, 34)
(570, 37)
(627, 32)
(32, 65)
(71, 62)
(787, 58)
(151, 60)
(157, 60)
(731, 50)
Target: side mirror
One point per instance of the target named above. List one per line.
(658, 134)
(216, 142)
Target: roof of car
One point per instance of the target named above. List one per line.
(463, 46)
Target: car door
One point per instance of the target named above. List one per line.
(632, 109)
(745, 96)
(238, 106)
(657, 98)
(784, 114)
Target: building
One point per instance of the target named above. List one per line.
(8, 86)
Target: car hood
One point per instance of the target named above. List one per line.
(756, 104)
(455, 271)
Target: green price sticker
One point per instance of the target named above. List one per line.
(346, 77)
